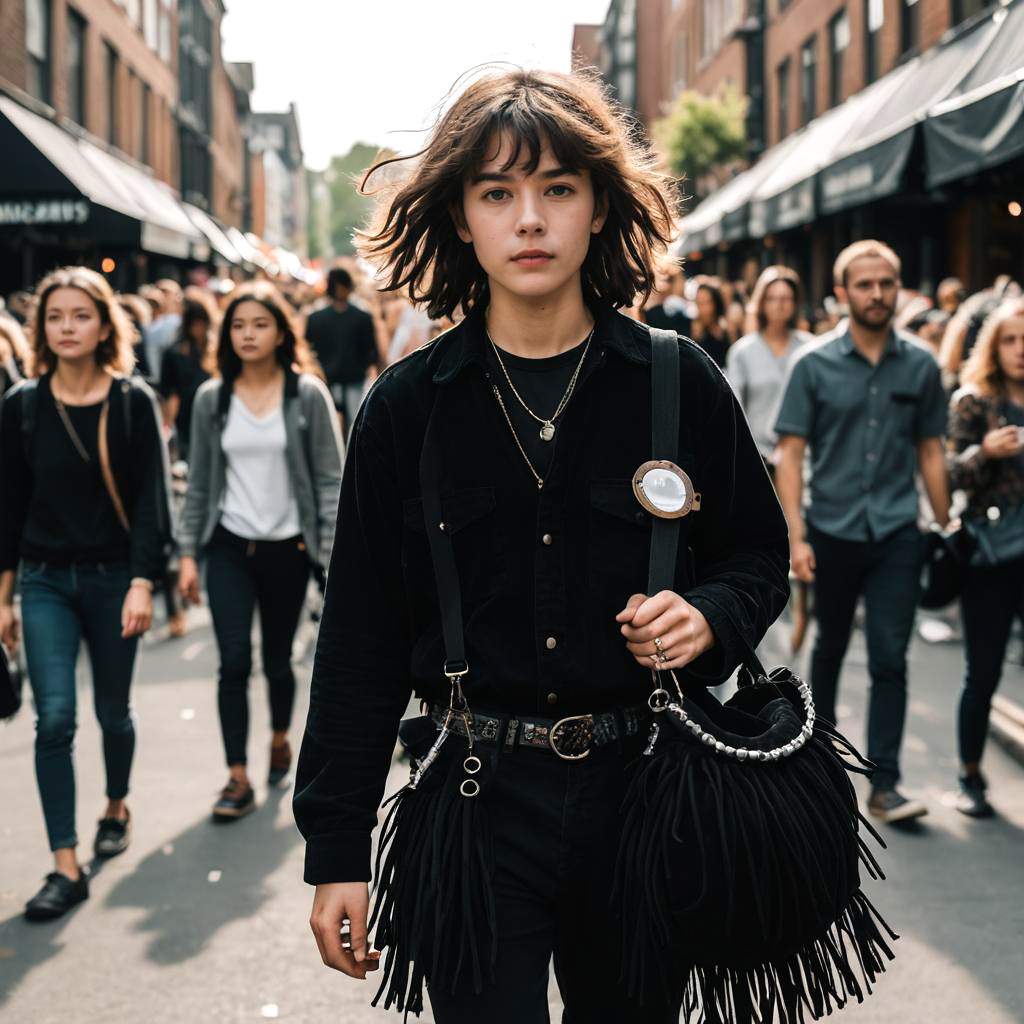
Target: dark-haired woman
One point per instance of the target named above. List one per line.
(261, 502)
(83, 512)
(184, 366)
(986, 442)
(709, 327)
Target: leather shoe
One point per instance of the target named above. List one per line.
(57, 896)
(112, 836)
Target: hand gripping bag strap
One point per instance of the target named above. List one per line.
(665, 400)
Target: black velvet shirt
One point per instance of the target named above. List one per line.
(543, 572)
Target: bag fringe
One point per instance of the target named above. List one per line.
(787, 836)
(434, 909)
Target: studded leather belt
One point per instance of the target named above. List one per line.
(570, 738)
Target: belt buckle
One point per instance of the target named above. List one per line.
(577, 731)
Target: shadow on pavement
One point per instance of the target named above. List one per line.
(185, 904)
(26, 945)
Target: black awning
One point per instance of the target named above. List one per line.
(872, 163)
(982, 123)
(55, 179)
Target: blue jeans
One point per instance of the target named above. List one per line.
(888, 573)
(61, 606)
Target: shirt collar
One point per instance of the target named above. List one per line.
(465, 344)
(894, 344)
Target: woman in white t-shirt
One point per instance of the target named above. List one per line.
(264, 479)
(757, 365)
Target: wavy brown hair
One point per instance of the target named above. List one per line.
(114, 353)
(413, 241)
(768, 277)
(982, 372)
(293, 352)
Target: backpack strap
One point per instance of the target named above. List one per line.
(665, 399)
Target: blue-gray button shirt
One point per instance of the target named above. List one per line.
(863, 423)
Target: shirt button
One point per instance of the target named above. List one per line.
(551, 643)
(872, 423)
(871, 456)
(874, 391)
(547, 539)
(552, 698)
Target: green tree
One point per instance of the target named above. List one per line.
(702, 134)
(349, 209)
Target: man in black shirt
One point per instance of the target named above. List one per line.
(343, 338)
(512, 440)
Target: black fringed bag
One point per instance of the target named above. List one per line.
(738, 874)
(434, 909)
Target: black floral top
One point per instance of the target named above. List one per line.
(987, 482)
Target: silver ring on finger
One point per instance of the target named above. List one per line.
(657, 644)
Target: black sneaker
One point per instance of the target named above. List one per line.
(236, 800)
(57, 896)
(892, 806)
(971, 799)
(112, 836)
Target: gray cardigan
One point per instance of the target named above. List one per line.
(313, 450)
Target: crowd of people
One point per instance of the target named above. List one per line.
(144, 436)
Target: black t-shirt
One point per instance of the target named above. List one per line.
(345, 343)
(71, 517)
(678, 322)
(542, 383)
(181, 373)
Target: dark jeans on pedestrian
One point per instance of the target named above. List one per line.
(990, 601)
(60, 607)
(888, 574)
(555, 828)
(242, 575)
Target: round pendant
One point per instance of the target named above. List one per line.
(664, 489)
(547, 432)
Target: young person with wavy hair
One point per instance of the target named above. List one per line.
(986, 460)
(83, 513)
(15, 355)
(262, 497)
(535, 210)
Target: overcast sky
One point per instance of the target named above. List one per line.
(369, 70)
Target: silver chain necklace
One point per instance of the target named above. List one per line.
(547, 426)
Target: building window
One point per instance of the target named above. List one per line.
(112, 94)
(838, 41)
(75, 67)
(719, 18)
(37, 43)
(964, 9)
(910, 25)
(782, 80)
(165, 34)
(150, 23)
(144, 124)
(680, 67)
(874, 19)
(808, 80)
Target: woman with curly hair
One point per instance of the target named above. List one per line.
(263, 483)
(986, 460)
(83, 513)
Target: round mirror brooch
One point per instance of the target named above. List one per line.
(665, 490)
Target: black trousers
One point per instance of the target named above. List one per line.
(888, 573)
(242, 575)
(990, 602)
(555, 827)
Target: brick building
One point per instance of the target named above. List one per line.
(897, 118)
(124, 133)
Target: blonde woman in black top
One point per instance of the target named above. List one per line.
(83, 514)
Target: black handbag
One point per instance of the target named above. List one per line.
(998, 538)
(738, 869)
(946, 564)
(10, 685)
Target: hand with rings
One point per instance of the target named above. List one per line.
(664, 631)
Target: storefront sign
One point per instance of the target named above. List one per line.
(44, 211)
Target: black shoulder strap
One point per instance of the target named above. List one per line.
(665, 398)
(441, 551)
(28, 393)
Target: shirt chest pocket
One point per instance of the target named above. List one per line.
(903, 406)
(471, 523)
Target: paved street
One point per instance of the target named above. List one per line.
(204, 924)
